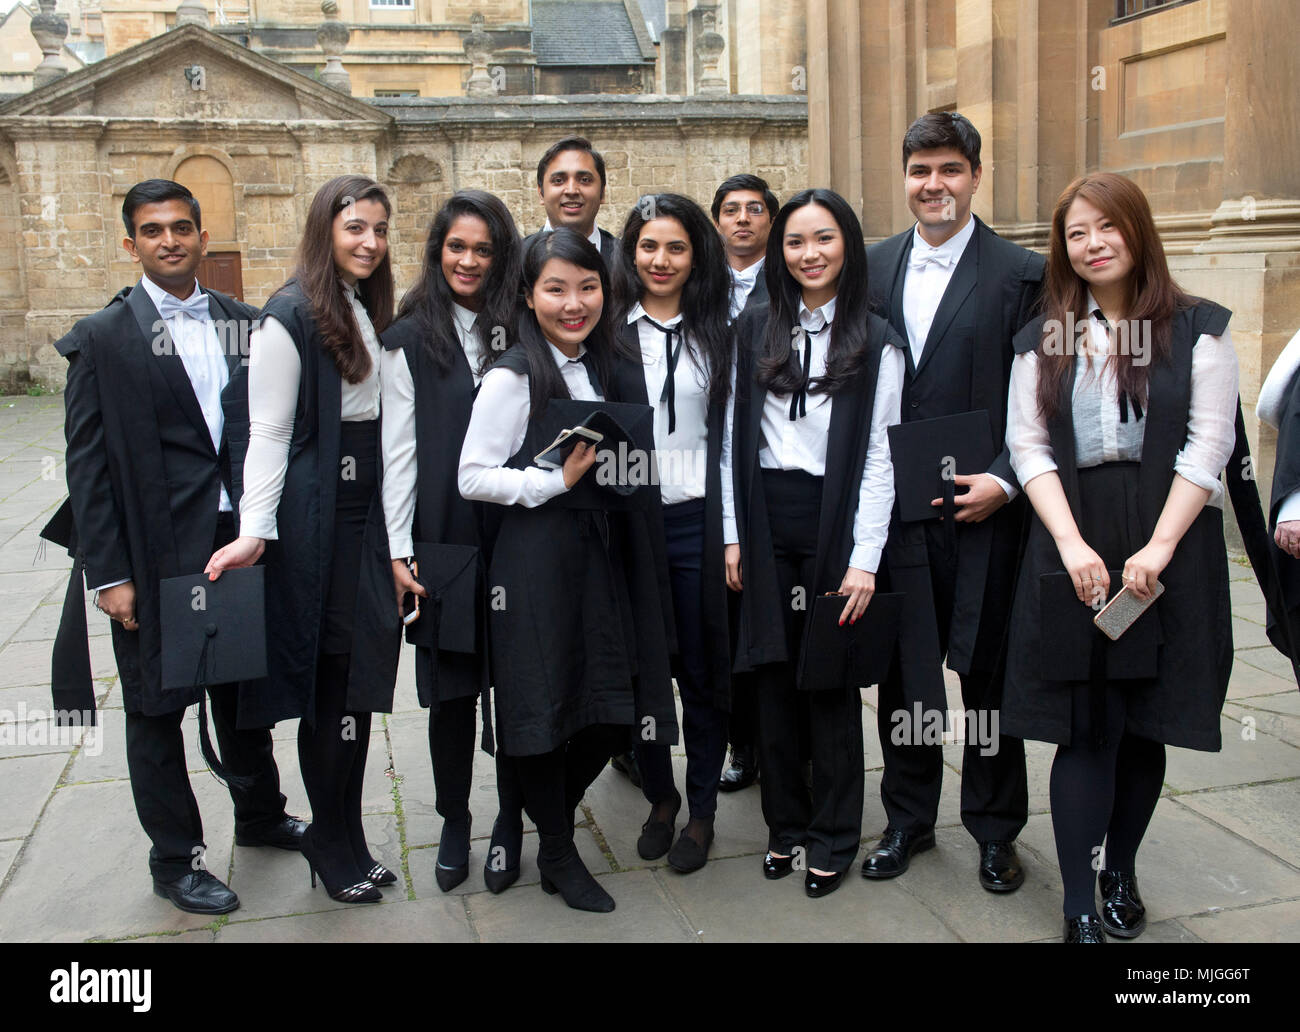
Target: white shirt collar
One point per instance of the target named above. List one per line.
(950, 251)
(561, 359)
(638, 313)
(748, 276)
(818, 317)
(464, 317)
(594, 237)
(156, 293)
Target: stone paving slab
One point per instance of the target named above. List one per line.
(429, 920)
(1267, 815)
(1243, 760)
(1275, 922)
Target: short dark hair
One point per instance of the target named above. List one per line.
(580, 143)
(745, 181)
(151, 191)
(943, 129)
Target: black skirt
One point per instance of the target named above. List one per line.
(1180, 706)
(358, 487)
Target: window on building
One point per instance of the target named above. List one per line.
(392, 3)
(1123, 8)
(397, 93)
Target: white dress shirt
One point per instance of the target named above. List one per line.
(593, 236)
(682, 456)
(742, 285)
(274, 372)
(1100, 437)
(400, 465)
(1272, 400)
(497, 428)
(801, 443)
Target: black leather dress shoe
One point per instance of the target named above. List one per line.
(1085, 928)
(625, 764)
(1000, 869)
(1122, 912)
(287, 834)
(894, 853)
(818, 885)
(777, 866)
(742, 772)
(198, 892)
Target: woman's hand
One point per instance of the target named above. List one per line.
(1089, 573)
(1143, 568)
(859, 586)
(581, 459)
(404, 581)
(732, 556)
(243, 551)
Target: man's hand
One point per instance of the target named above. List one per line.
(243, 551)
(119, 603)
(1287, 537)
(984, 497)
(404, 581)
(731, 555)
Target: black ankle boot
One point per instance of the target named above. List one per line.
(452, 867)
(501, 870)
(564, 872)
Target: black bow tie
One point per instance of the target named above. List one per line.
(669, 393)
(799, 397)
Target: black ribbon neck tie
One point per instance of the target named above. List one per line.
(673, 353)
(1125, 399)
(799, 397)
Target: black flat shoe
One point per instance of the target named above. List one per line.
(501, 870)
(625, 764)
(1122, 912)
(569, 876)
(742, 772)
(775, 867)
(687, 855)
(285, 834)
(1085, 928)
(452, 866)
(657, 836)
(893, 854)
(199, 892)
(818, 885)
(1000, 869)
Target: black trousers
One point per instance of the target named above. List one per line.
(829, 823)
(160, 782)
(994, 788)
(704, 727)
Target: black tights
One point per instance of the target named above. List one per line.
(1101, 793)
(332, 754)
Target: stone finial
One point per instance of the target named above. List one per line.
(478, 48)
(192, 12)
(332, 37)
(708, 48)
(49, 31)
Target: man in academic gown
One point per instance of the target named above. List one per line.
(156, 401)
(958, 293)
(571, 188)
(743, 209)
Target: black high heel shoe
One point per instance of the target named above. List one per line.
(568, 876)
(502, 867)
(452, 865)
(359, 892)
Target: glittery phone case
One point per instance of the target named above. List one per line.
(1122, 610)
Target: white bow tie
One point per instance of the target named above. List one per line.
(921, 257)
(195, 306)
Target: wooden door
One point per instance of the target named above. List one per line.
(221, 270)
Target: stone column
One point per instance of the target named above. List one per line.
(332, 37)
(50, 31)
(191, 12)
(478, 48)
(709, 45)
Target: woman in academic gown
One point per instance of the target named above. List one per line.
(435, 355)
(1121, 418)
(311, 501)
(818, 381)
(675, 351)
(578, 645)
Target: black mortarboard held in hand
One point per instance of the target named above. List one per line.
(449, 615)
(858, 654)
(626, 451)
(213, 632)
(928, 453)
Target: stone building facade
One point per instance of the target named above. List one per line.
(1194, 100)
(254, 139)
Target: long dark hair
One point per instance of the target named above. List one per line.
(544, 380)
(1152, 293)
(320, 283)
(706, 295)
(778, 370)
(429, 301)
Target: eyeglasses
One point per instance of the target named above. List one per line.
(756, 209)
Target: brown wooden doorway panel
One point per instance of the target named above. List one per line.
(221, 270)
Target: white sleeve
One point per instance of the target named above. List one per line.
(730, 532)
(274, 372)
(1272, 393)
(497, 428)
(876, 494)
(1028, 441)
(1211, 414)
(397, 403)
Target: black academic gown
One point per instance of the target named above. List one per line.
(144, 482)
(443, 403)
(629, 385)
(298, 564)
(965, 366)
(761, 631)
(1181, 705)
(577, 622)
(758, 297)
(1286, 479)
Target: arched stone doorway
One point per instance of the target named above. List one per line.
(211, 183)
